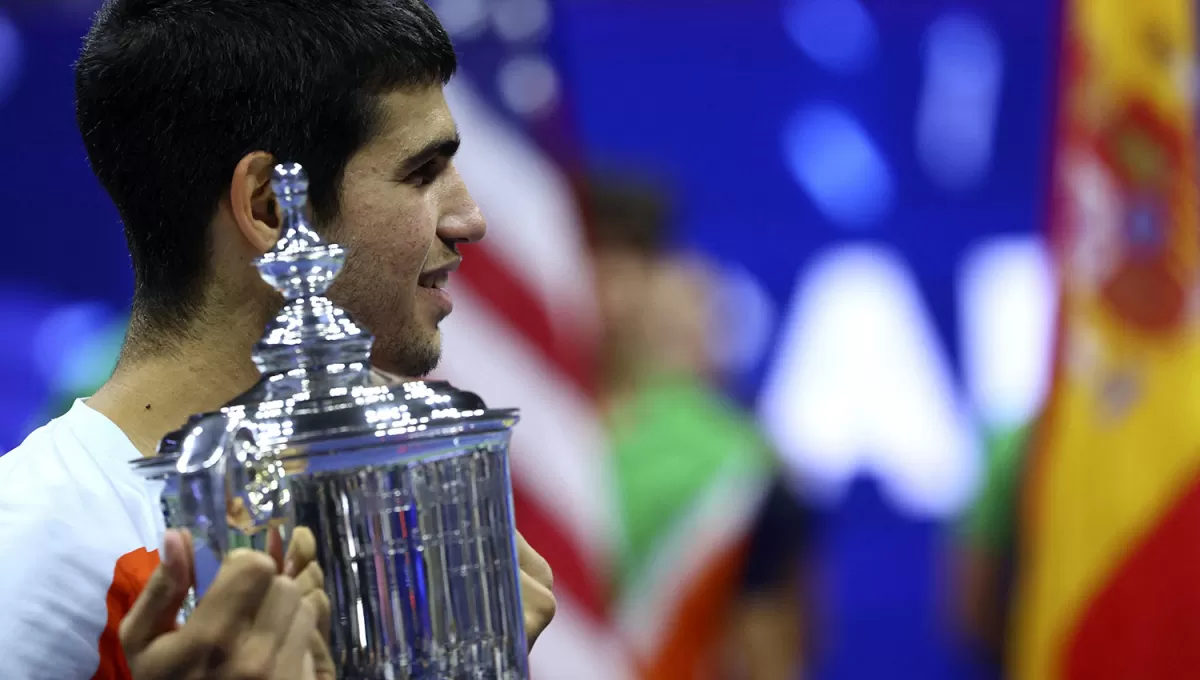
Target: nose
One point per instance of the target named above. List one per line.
(462, 221)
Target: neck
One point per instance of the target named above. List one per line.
(155, 391)
(622, 372)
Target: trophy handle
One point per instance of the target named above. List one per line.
(233, 493)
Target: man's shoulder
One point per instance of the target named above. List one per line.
(75, 554)
(33, 470)
(77, 547)
(57, 481)
(46, 471)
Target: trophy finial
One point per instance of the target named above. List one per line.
(290, 184)
(310, 332)
(301, 263)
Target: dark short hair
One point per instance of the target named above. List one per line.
(627, 211)
(171, 94)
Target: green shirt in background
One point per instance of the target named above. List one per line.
(990, 522)
(671, 441)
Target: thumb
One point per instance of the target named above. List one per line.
(156, 608)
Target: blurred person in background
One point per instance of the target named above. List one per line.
(708, 570)
(986, 551)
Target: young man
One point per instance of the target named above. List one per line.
(185, 106)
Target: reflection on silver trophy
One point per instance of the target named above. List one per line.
(405, 484)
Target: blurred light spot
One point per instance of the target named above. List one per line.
(12, 56)
(861, 384)
(834, 159)
(74, 347)
(518, 20)
(529, 85)
(745, 317)
(1007, 301)
(837, 34)
(462, 18)
(956, 117)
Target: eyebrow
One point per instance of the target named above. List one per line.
(445, 147)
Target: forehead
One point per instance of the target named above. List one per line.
(410, 120)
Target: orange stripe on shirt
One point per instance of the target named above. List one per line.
(130, 576)
(692, 646)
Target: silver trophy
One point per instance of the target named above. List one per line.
(405, 484)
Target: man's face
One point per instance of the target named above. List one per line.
(622, 277)
(677, 316)
(404, 210)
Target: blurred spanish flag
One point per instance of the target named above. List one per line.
(1109, 554)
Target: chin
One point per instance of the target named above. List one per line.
(412, 357)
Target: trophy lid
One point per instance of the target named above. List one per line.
(318, 389)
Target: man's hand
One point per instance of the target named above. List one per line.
(301, 565)
(251, 624)
(537, 590)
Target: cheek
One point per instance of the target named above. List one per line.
(387, 241)
(377, 294)
(378, 285)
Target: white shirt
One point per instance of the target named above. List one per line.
(79, 537)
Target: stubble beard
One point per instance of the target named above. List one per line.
(412, 353)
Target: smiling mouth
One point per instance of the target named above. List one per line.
(437, 277)
(434, 280)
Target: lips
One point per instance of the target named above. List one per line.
(437, 277)
(434, 281)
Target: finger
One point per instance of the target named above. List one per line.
(275, 615)
(204, 642)
(308, 667)
(319, 601)
(323, 668)
(155, 610)
(257, 651)
(275, 547)
(175, 655)
(538, 606)
(294, 652)
(234, 597)
(311, 582)
(301, 552)
(188, 557)
(312, 578)
(534, 564)
(318, 644)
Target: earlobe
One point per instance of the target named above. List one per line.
(252, 200)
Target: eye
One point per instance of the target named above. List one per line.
(427, 173)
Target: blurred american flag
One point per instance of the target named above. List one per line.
(524, 324)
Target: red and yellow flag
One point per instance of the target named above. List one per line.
(1109, 579)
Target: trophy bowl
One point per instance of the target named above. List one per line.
(405, 484)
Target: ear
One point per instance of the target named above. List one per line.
(253, 203)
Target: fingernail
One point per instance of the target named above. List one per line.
(164, 554)
(289, 568)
